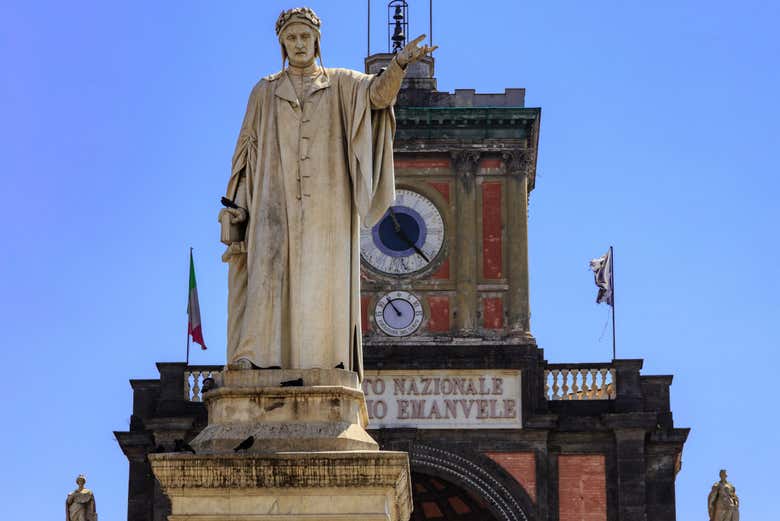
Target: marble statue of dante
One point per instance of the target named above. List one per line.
(314, 160)
(80, 504)
(722, 502)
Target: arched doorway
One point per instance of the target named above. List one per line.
(480, 484)
(440, 500)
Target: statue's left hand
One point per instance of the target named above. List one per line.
(413, 52)
(237, 215)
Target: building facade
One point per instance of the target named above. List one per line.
(453, 375)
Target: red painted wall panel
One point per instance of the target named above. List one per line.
(490, 163)
(440, 314)
(444, 270)
(442, 187)
(492, 313)
(491, 231)
(582, 488)
(521, 466)
(422, 163)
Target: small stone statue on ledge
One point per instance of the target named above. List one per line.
(80, 504)
(723, 503)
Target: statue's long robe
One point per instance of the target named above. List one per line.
(722, 503)
(312, 173)
(80, 506)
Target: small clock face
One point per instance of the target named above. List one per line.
(398, 313)
(407, 238)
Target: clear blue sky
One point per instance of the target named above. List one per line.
(659, 135)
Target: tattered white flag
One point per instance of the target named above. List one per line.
(602, 271)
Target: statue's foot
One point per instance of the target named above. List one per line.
(246, 363)
(243, 363)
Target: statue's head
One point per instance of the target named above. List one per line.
(81, 480)
(722, 474)
(298, 31)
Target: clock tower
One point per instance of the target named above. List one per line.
(449, 260)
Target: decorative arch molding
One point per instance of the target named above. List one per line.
(506, 499)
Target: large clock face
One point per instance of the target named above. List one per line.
(407, 238)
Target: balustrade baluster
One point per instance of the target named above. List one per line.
(587, 377)
(547, 385)
(585, 392)
(603, 395)
(574, 386)
(565, 386)
(187, 385)
(611, 389)
(196, 386)
(556, 387)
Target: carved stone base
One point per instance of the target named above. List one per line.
(334, 486)
(327, 413)
(311, 458)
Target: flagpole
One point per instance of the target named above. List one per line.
(189, 267)
(612, 285)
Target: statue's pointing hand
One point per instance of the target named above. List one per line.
(413, 52)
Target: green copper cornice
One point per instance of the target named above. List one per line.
(467, 123)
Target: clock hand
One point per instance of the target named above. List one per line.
(404, 237)
(419, 251)
(397, 311)
(396, 224)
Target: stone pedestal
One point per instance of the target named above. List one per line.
(327, 413)
(311, 458)
(333, 486)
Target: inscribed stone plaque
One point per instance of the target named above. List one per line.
(443, 399)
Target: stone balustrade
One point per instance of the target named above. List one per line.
(561, 381)
(193, 380)
(579, 382)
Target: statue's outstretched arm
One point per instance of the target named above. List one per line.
(384, 88)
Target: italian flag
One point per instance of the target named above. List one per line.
(193, 309)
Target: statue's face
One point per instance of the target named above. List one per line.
(299, 41)
(80, 481)
(722, 474)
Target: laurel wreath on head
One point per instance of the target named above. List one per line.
(298, 12)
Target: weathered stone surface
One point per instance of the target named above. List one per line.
(287, 486)
(273, 377)
(315, 417)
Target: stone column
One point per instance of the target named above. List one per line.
(517, 165)
(630, 445)
(140, 490)
(136, 444)
(661, 466)
(465, 164)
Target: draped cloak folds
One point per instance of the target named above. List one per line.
(80, 506)
(308, 174)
